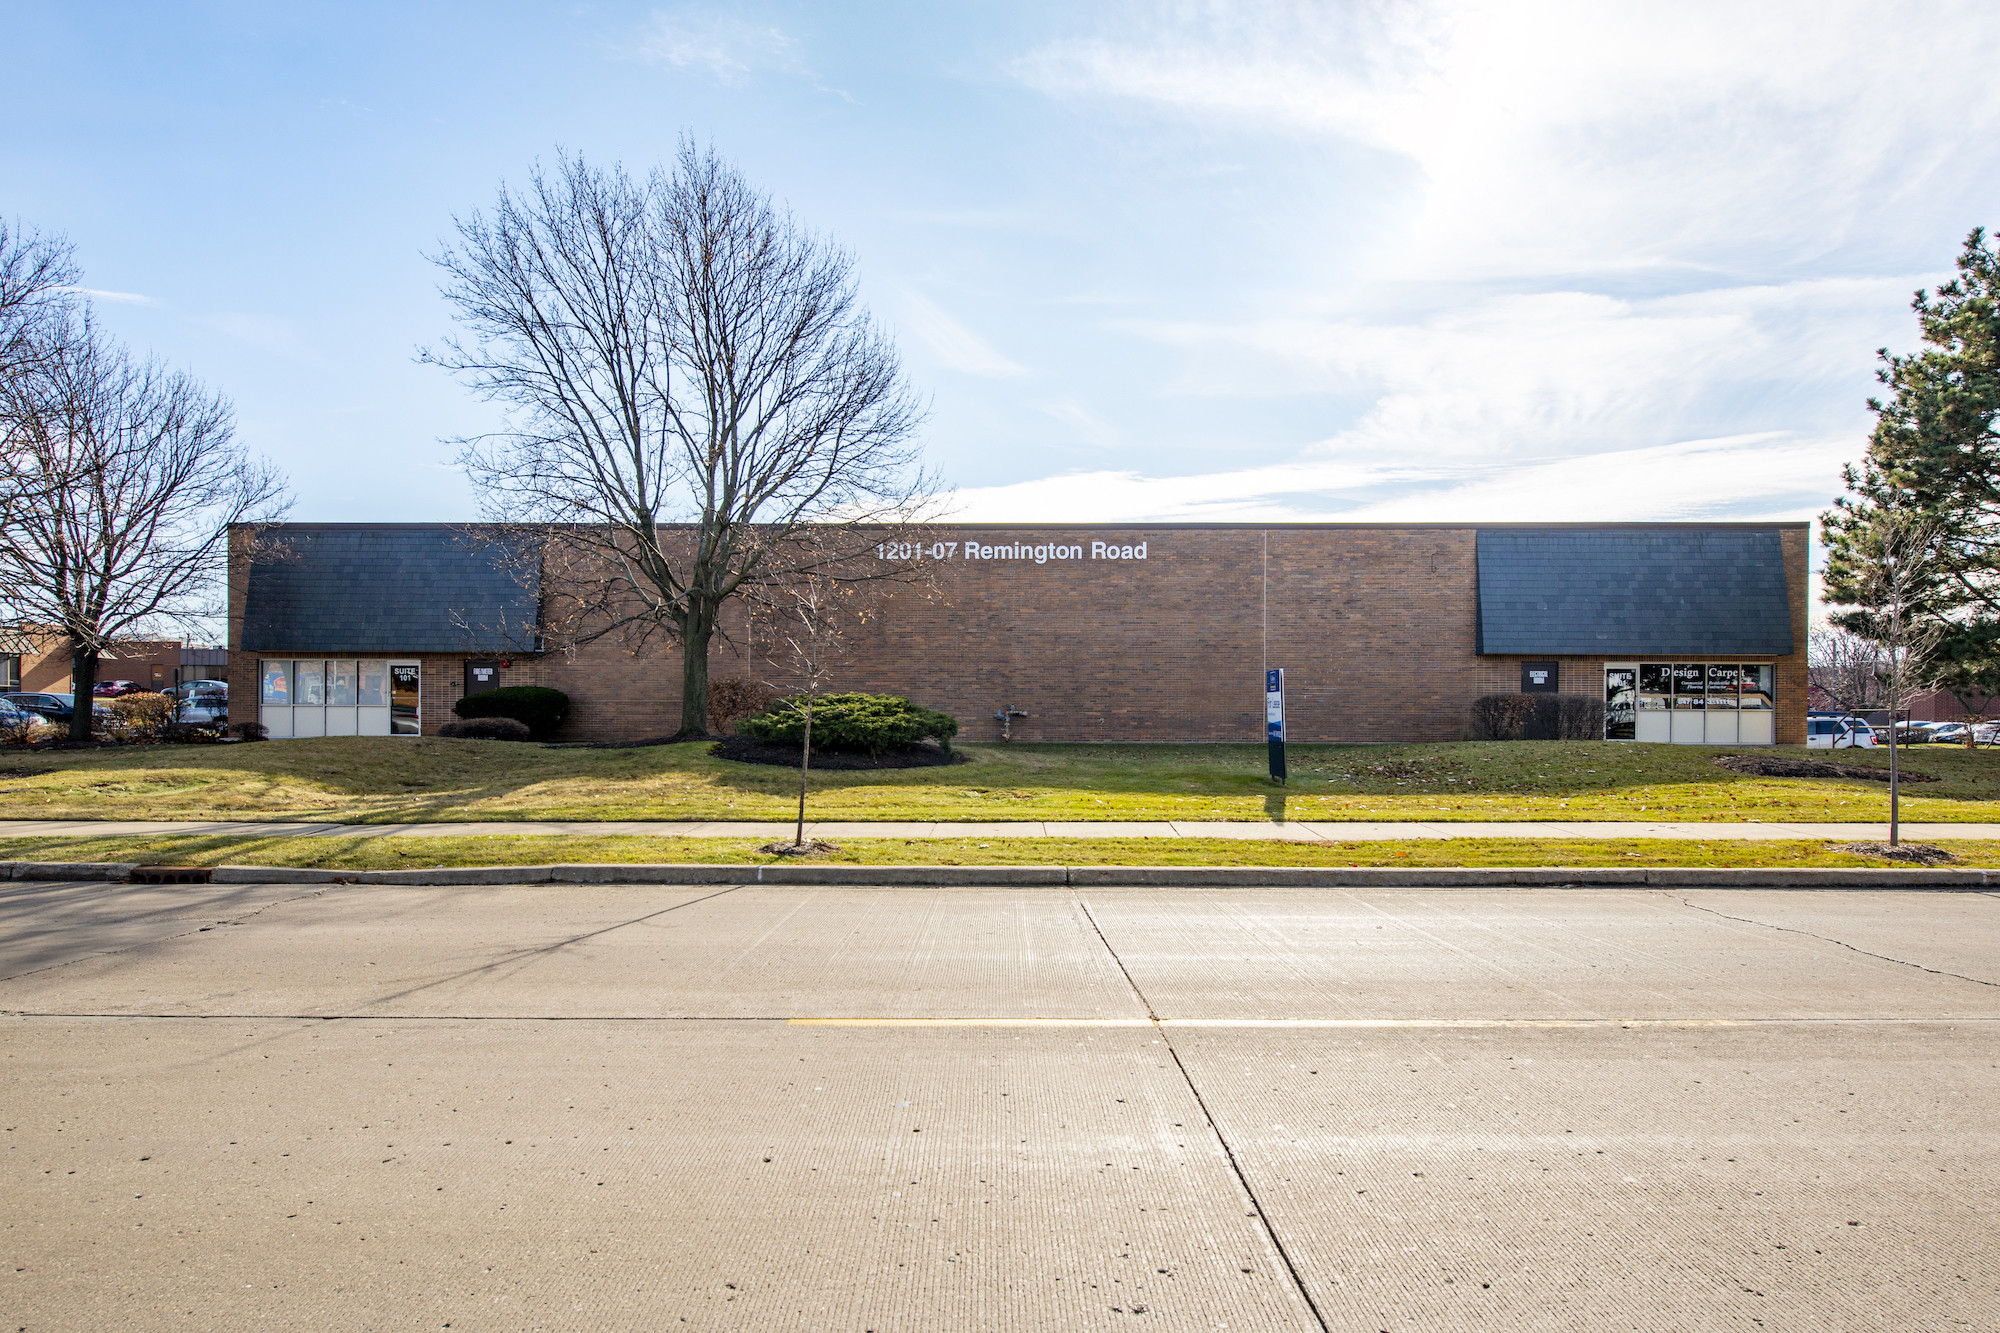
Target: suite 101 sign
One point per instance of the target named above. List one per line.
(1040, 554)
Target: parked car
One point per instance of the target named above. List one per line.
(57, 707)
(13, 715)
(1986, 733)
(1949, 733)
(204, 708)
(1826, 731)
(220, 687)
(117, 689)
(54, 707)
(1916, 733)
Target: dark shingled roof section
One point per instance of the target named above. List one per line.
(1626, 592)
(403, 588)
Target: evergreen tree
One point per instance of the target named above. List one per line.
(1933, 461)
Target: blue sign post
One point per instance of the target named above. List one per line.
(1274, 720)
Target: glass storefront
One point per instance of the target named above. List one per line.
(300, 697)
(1691, 703)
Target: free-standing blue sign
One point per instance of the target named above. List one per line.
(1274, 720)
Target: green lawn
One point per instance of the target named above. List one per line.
(377, 780)
(403, 853)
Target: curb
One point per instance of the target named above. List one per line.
(1300, 877)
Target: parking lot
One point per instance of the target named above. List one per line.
(792, 1108)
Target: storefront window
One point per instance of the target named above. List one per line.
(1656, 687)
(277, 677)
(1691, 703)
(1688, 691)
(340, 684)
(1723, 684)
(308, 684)
(374, 685)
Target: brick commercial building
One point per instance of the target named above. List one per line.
(1689, 632)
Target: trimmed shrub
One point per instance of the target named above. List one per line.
(536, 707)
(855, 723)
(732, 698)
(1537, 717)
(138, 715)
(486, 729)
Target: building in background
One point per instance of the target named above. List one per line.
(1688, 633)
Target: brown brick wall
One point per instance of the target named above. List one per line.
(1374, 626)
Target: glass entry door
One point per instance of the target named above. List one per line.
(1621, 702)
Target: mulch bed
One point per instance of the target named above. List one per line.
(750, 750)
(1918, 853)
(1771, 766)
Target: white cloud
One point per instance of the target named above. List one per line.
(954, 346)
(1570, 136)
(1749, 477)
(727, 47)
(1628, 262)
(121, 298)
(1086, 426)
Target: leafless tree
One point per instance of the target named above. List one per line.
(1846, 667)
(38, 276)
(137, 479)
(811, 614)
(695, 399)
(1888, 565)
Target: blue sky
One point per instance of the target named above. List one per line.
(1159, 261)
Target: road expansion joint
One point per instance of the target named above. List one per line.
(239, 919)
(1828, 939)
(1228, 1151)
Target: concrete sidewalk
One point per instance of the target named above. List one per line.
(1302, 831)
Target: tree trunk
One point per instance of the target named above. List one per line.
(1895, 822)
(805, 763)
(695, 636)
(82, 683)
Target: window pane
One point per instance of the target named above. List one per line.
(1656, 686)
(308, 683)
(277, 682)
(374, 687)
(1757, 686)
(340, 684)
(404, 696)
(1723, 684)
(10, 672)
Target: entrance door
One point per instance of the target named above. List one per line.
(405, 699)
(1621, 701)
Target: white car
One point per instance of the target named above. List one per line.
(1839, 733)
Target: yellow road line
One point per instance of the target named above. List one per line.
(1338, 1023)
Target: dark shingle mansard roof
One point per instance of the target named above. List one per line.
(384, 588)
(1631, 592)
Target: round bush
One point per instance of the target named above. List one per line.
(536, 707)
(855, 723)
(486, 729)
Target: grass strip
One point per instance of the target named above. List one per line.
(362, 779)
(403, 853)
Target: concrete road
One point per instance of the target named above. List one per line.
(779, 1108)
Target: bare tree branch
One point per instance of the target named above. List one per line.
(137, 479)
(699, 408)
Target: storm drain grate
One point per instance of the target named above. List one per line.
(171, 874)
